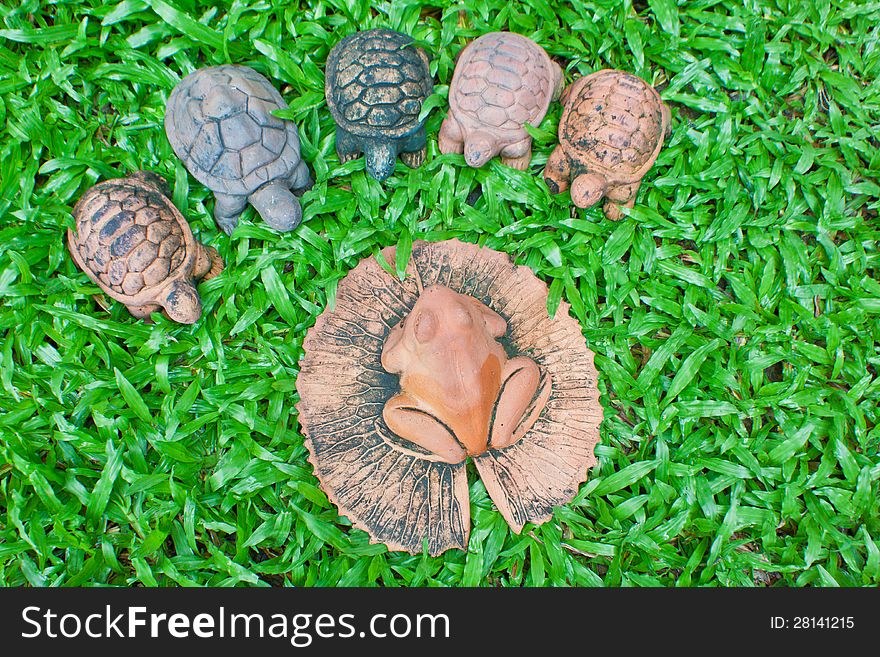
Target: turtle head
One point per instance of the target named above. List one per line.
(479, 148)
(278, 207)
(380, 160)
(587, 189)
(182, 303)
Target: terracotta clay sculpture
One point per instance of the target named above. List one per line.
(404, 381)
(137, 247)
(612, 128)
(376, 83)
(501, 82)
(219, 122)
(460, 394)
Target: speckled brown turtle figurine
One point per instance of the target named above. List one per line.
(376, 82)
(137, 247)
(403, 382)
(219, 121)
(502, 81)
(612, 128)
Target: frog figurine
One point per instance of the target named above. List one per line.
(460, 393)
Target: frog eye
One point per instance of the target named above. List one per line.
(426, 326)
(461, 316)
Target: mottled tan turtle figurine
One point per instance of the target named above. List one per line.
(219, 121)
(404, 382)
(612, 128)
(501, 82)
(137, 247)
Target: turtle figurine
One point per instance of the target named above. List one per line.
(219, 121)
(501, 82)
(612, 128)
(376, 84)
(137, 247)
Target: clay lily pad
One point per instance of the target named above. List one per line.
(407, 491)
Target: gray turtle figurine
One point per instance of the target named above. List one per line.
(376, 84)
(137, 247)
(219, 122)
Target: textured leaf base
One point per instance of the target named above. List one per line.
(404, 498)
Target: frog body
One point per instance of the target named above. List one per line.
(460, 392)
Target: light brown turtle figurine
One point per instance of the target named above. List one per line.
(137, 247)
(403, 382)
(611, 131)
(501, 82)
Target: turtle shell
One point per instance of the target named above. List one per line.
(376, 83)
(219, 122)
(503, 80)
(130, 239)
(405, 499)
(613, 123)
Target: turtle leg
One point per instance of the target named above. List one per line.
(558, 81)
(414, 159)
(226, 210)
(518, 155)
(347, 145)
(557, 171)
(301, 179)
(406, 417)
(520, 381)
(451, 138)
(208, 263)
(414, 149)
(144, 312)
(622, 196)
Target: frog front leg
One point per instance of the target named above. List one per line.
(413, 421)
(520, 379)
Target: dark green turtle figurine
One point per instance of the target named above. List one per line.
(376, 83)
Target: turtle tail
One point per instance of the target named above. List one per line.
(277, 205)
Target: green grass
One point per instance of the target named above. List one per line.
(734, 313)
